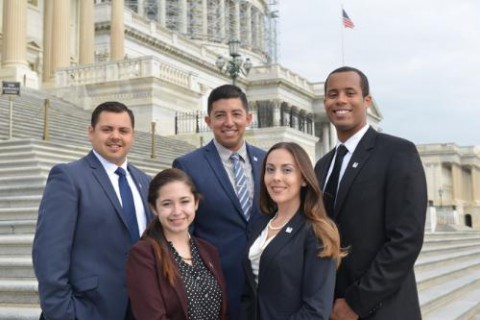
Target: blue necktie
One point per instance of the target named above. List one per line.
(128, 204)
(241, 184)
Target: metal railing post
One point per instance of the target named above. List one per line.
(153, 154)
(46, 106)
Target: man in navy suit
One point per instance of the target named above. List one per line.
(83, 233)
(379, 206)
(220, 218)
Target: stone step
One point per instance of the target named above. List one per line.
(28, 169)
(442, 294)
(465, 307)
(19, 201)
(441, 274)
(443, 259)
(24, 189)
(19, 291)
(427, 252)
(464, 239)
(23, 180)
(19, 312)
(12, 267)
(19, 245)
(17, 226)
(12, 214)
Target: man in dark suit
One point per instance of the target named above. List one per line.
(221, 218)
(84, 228)
(379, 206)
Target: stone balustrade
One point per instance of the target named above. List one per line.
(127, 69)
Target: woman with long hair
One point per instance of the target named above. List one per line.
(295, 247)
(170, 274)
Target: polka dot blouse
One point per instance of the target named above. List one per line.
(204, 294)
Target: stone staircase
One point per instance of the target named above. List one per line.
(448, 276)
(24, 167)
(25, 162)
(448, 269)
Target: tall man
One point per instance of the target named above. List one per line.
(90, 215)
(229, 185)
(379, 205)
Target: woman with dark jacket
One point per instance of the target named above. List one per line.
(170, 274)
(295, 248)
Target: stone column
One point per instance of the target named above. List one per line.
(60, 35)
(261, 31)
(204, 11)
(222, 18)
(457, 193)
(14, 49)
(161, 12)
(276, 112)
(236, 21)
(141, 7)
(117, 32)
(87, 32)
(47, 40)
(254, 15)
(248, 25)
(183, 17)
(475, 185)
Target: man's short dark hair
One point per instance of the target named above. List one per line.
(227, 91)
(363, 79)
(111, 106)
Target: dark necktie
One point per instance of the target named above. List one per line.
(128, 204)
(241, 184)
(330, 192)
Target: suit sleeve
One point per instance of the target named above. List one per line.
(143, 284)
(53, 244)
(318, 283)
(405, 210)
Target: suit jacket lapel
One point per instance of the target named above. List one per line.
(214, 160)
(357, 161)
(142, 189)
(281, 239)
(101, 176)
(256, 172)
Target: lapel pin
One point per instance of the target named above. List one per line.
(289, 230)
(355, 164)
(255, 159)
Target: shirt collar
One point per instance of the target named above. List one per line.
(352, 142)
(107, 165)
(225, 153)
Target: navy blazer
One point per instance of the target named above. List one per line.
(82, 241)
(380, 212)
(219, 218)
(152, 296)
(293, 281)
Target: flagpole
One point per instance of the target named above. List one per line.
(343, 36)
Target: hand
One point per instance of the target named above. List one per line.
(342, 311)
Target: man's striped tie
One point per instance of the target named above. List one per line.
(241, 184)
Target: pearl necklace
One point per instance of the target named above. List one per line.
(276, 228)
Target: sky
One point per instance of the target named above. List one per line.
(422, 59)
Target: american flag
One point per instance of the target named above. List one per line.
(347, 22)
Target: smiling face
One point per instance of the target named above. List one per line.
(345, 105)
(228, 120)
(283, 180)
(175, 208)
(112, 136)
